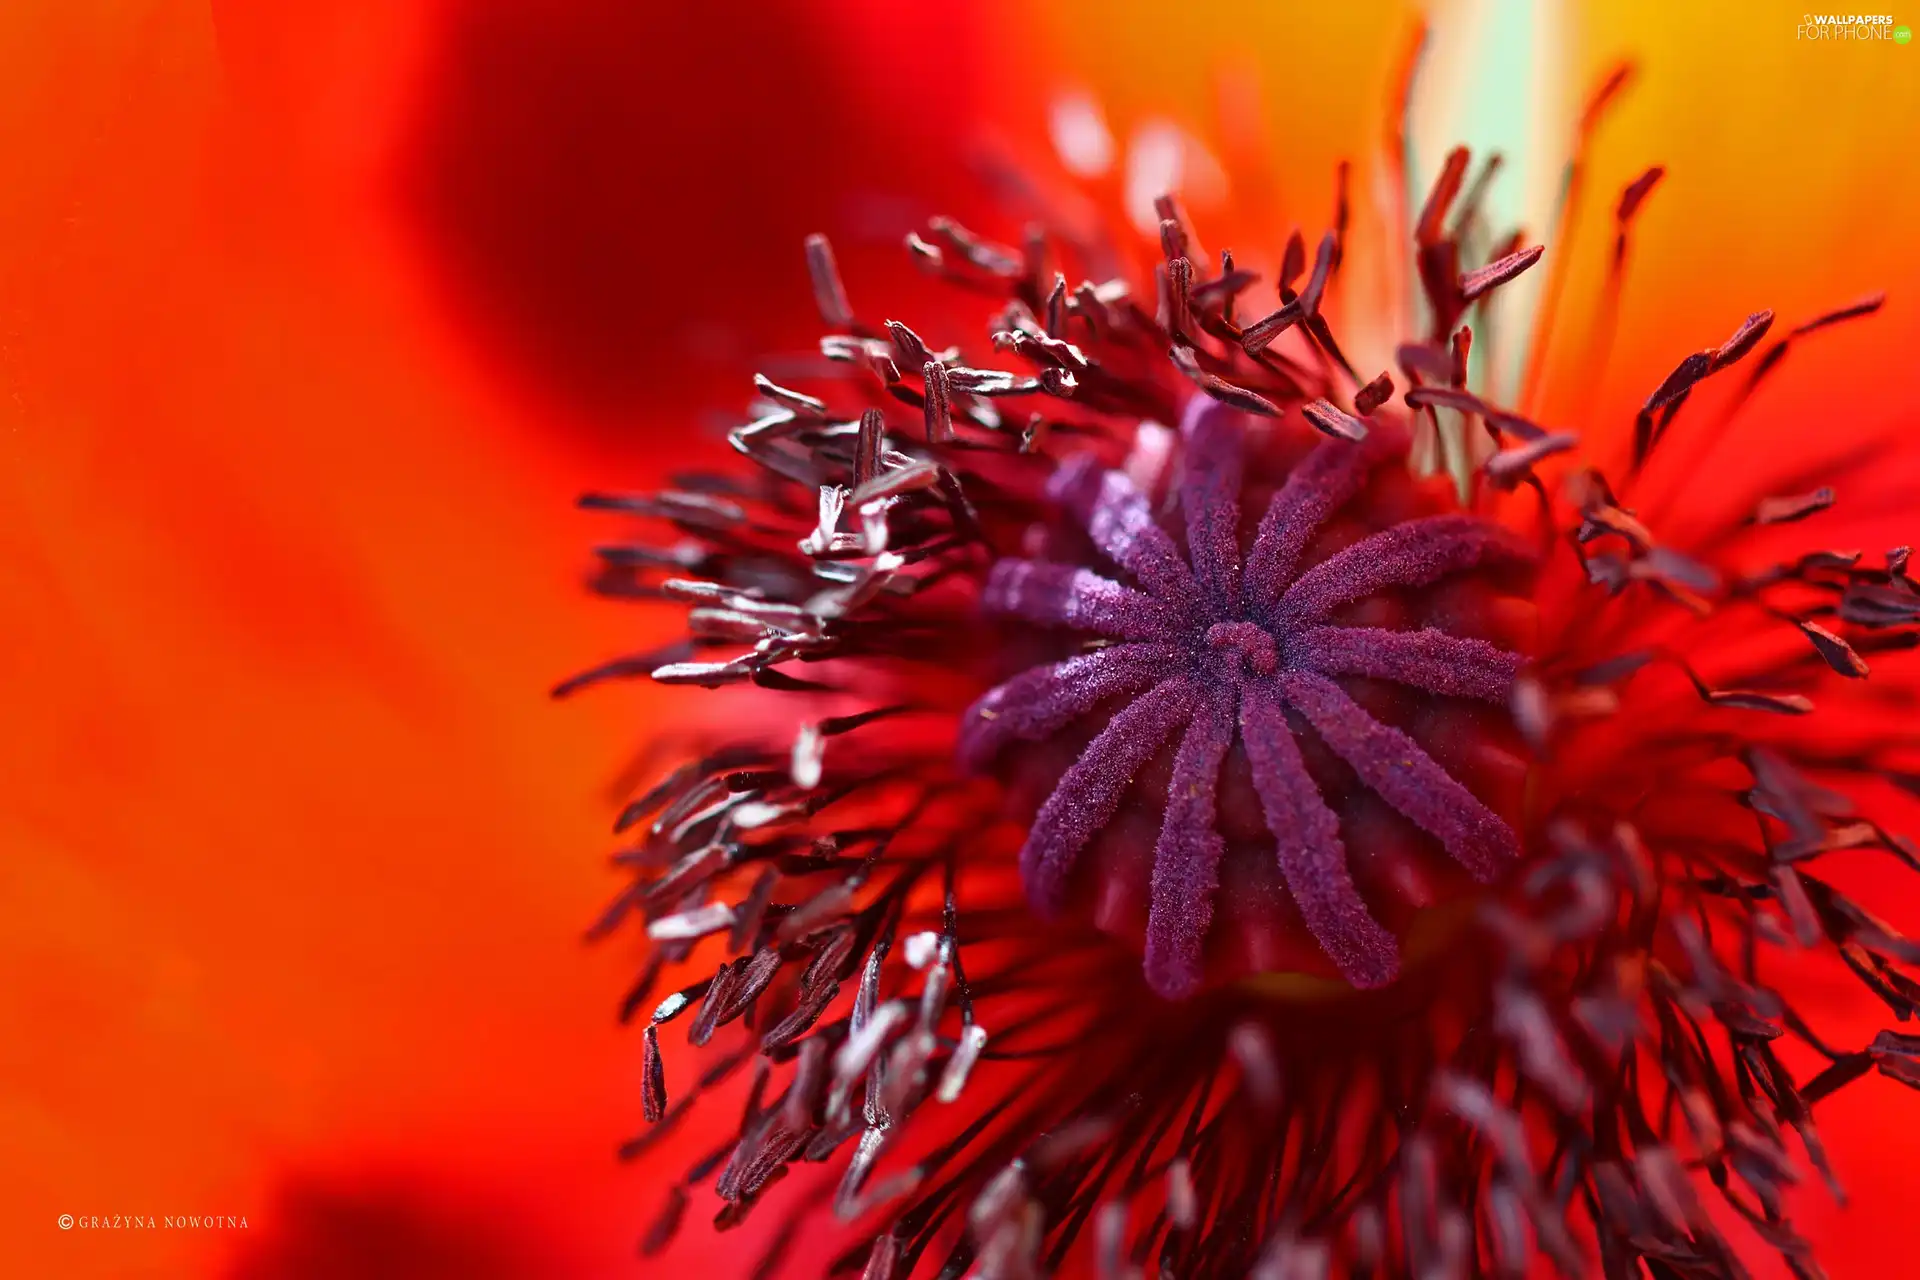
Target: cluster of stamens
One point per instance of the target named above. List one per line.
(1245, 657)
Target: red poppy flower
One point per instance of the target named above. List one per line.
(1254, 766)
(287, 938)
(318, 314)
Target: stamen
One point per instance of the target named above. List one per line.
(939, 403)
(1329, 420)
(829, 295)
(1788, 510)
(1561, 231)
(1373, 395)
(1475, 284)
(1673, 392)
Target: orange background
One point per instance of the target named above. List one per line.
(313, 318)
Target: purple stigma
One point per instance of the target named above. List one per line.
(1250, 641)
(1205, 647)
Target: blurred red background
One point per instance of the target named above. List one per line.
(315, 317)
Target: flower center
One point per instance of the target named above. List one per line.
(1232, 813)
(1247, 642)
